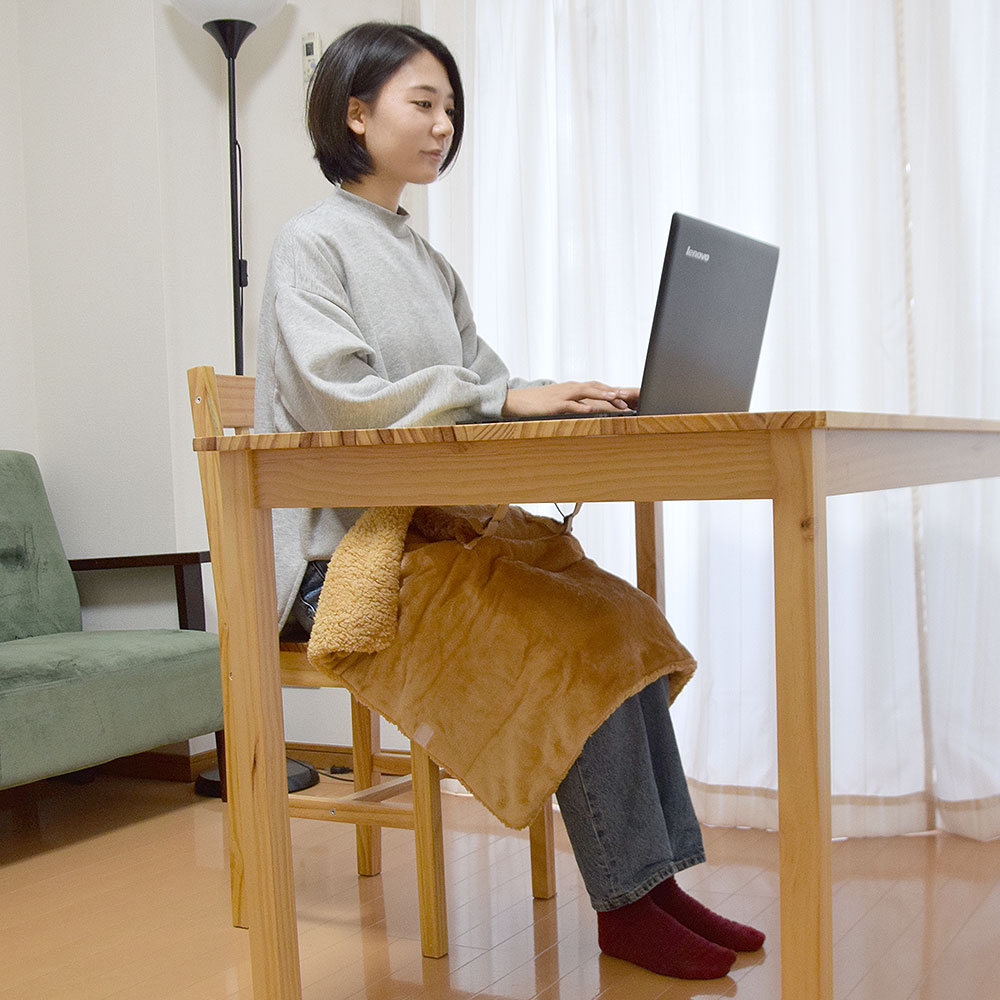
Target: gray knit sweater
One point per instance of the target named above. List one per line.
(363, 324)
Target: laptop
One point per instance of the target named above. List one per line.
(708, 324)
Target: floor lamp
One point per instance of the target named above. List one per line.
(229, 22)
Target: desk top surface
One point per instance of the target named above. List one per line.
(682, 423)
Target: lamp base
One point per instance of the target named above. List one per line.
(300, 775)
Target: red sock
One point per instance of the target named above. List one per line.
(641, 933)
(672, 899)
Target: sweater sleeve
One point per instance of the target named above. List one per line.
(327, 377)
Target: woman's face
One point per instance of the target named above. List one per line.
(408, 130)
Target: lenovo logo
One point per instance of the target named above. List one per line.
(697, 254)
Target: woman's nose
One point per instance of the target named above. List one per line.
(444, 126)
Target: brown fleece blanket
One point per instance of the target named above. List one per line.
(497, 645)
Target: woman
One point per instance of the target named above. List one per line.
(364, 324)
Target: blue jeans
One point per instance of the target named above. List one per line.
(625, 800)
(626, 805)
(307, 600)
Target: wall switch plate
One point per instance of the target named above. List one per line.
(312, 49)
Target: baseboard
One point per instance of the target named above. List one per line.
(173, 763)
(322, 756)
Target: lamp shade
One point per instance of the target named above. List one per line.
(252, 11)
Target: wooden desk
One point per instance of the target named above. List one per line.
(796, 460)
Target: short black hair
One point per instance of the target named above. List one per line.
(357, 64)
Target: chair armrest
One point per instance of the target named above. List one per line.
(132, 562)
(187, 579)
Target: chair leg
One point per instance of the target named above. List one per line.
(365, 738)
(430, 853)
(543, 858)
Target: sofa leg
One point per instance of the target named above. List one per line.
(82, 777)
(220, 753)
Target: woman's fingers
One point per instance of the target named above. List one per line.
(599, 391)
(608, 398)
(568, 397)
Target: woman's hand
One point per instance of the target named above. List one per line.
(568, 397)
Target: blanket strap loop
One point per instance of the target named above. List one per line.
(491, 526)
(501, 512)
(568, 518)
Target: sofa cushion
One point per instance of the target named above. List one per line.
(81, 698)
(37, 591)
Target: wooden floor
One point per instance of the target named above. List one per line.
(117, 890)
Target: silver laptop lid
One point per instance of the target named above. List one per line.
(715, 291)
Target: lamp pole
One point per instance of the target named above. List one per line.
(229, 22)
(230, 34)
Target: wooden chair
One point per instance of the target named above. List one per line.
(225, 402)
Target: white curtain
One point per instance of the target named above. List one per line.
(864, 139)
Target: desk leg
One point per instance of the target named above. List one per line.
(258, 782)
(803, 696)
(649, 550)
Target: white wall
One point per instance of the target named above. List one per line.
(114, 258)
(17, 365)
(95, 249)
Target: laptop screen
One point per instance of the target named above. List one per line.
(708, 325)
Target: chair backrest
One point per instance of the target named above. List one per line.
(38, 594)
(220, 402)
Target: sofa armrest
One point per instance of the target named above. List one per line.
(187, 579)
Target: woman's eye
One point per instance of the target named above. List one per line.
(422, 104)
(450, 112)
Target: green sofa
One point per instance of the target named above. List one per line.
(71, 699)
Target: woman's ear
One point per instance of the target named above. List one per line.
(357, 111)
